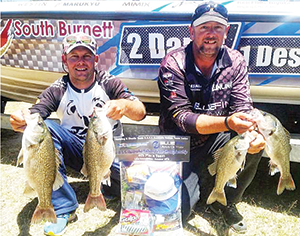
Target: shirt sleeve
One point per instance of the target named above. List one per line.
(116, 89)
(175, 103)
(48, 101)
(240, 95)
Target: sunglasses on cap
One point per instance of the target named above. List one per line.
(79, 39)
(219, 8)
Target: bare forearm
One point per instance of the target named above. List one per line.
(210, 124)
(239, 122)
(134, 110)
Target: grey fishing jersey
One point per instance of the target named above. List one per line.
(74, 107)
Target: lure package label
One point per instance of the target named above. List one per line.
(151, 179)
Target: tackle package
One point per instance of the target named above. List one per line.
(151, 179)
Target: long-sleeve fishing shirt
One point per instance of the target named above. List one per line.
(185, 93)
(74, 107)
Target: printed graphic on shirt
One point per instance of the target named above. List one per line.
(195, 87)
(80, 131)
(173, 94)
(72, 110)
(221, 86)
(168, 78)
(211, 108)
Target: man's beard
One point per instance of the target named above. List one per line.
(209, 51)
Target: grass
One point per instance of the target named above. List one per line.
(264, 211)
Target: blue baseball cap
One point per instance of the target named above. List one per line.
(162, 193)
(210, 11)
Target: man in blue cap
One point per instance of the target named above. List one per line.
(205, 93)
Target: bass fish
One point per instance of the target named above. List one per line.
(41, 162)
(98, 155)
(228, 160)
(277, 147)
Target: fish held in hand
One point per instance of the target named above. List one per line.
(98, 155)
(277, 147)
(228, 160)
(41, 162)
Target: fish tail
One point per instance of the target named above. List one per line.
(92, 202)
(285, 183)
(40, 214)
(217, 196)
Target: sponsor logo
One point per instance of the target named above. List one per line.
(221, 86)
(46, 28)
(210, 107)
(195, 87)
(6, 37)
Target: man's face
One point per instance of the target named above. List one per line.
(80, 63)
(208, 38)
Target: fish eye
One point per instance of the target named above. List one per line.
(271, 132)
(40, 123)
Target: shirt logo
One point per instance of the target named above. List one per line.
(173, 94)
(168, 78)
(221, 86)
(195, 87)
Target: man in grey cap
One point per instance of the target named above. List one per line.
(205, 93)
(74, 97)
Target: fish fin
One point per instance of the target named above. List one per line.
(243, 164)
(268, 148)
(59, 181)
(57, 156)
(289, 137)
(92, 202)
(217, 154)
(84, 170)
(106, 179)
(28, 190)
(102, 139)
(212, 168)
(286, 183)
(83, 148)
(20, 157)
(273, 169)
(287, 132)
(217, 196)
(232, 183)
(40, 214)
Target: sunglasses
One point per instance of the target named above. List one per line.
(200, 10)
(81, 39)
(85, 39)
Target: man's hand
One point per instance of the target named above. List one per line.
(134, 110)
(17, 120)
(257, 144)
(240, 122)
(116, 109)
